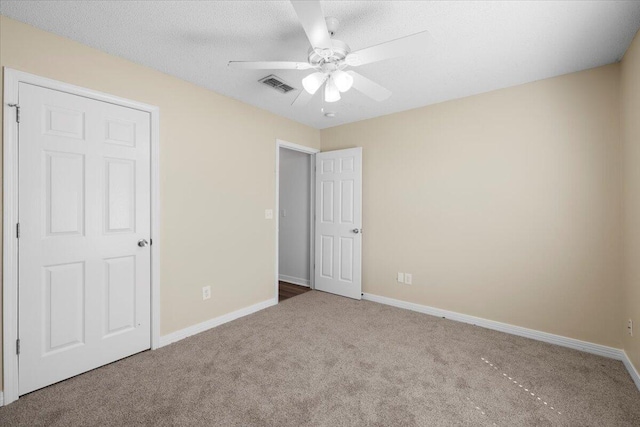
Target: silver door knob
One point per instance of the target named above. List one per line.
(142, 243)
(355, 230)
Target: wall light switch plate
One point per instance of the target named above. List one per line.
(408, 278)
(268, 214)
(206, 293)
(630, 327)
(400, 277)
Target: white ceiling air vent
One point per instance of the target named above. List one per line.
(276, 83)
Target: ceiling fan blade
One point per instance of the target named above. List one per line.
(302, 99)
(399, 47)
(270, 65)
(312, 20)
(370, 88)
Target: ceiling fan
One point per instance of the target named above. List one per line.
(330, 57)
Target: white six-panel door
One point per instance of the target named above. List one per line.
(84, 206)
(338, 233)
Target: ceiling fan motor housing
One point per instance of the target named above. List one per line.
(339, 50)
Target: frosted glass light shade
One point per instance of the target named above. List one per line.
(313, 81)
(343, 80)
(331, 92)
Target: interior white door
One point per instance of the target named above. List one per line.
(84, 212)
(338, 229)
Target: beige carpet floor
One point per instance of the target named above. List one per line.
(322, 360)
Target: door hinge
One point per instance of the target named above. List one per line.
(151, 241)
(17, 230)
(18, 346)
(17, 111)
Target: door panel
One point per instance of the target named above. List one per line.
(64, 192)
(326, 259)
(84, 284)
(346, 258)
(326, 201)
(339, 222)
(64, 122)
(346, 202)
(120, 132)
(120, 193)
(120, 284)
(64, 316)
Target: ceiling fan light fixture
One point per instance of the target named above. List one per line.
(313, 81)
(342, 80)
(331, 92)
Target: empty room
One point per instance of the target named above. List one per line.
(320, 213)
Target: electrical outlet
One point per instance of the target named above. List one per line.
(401, 277)
(206, 292)
(408, 278)
(630, 327)
(268, 214)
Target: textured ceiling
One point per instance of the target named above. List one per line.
(477, 46)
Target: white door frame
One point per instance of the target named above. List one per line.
(12, 79)
(308, 150)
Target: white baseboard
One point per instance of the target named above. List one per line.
(600, 350)
(294, 280)
(212, 323)
(1, 399)
(632, 370)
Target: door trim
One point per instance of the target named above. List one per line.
(311, 151)
(12, 79)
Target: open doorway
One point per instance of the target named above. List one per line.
(295, 208)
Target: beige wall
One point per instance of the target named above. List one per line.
(630, 120)
(504, 205)
(217, 171)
